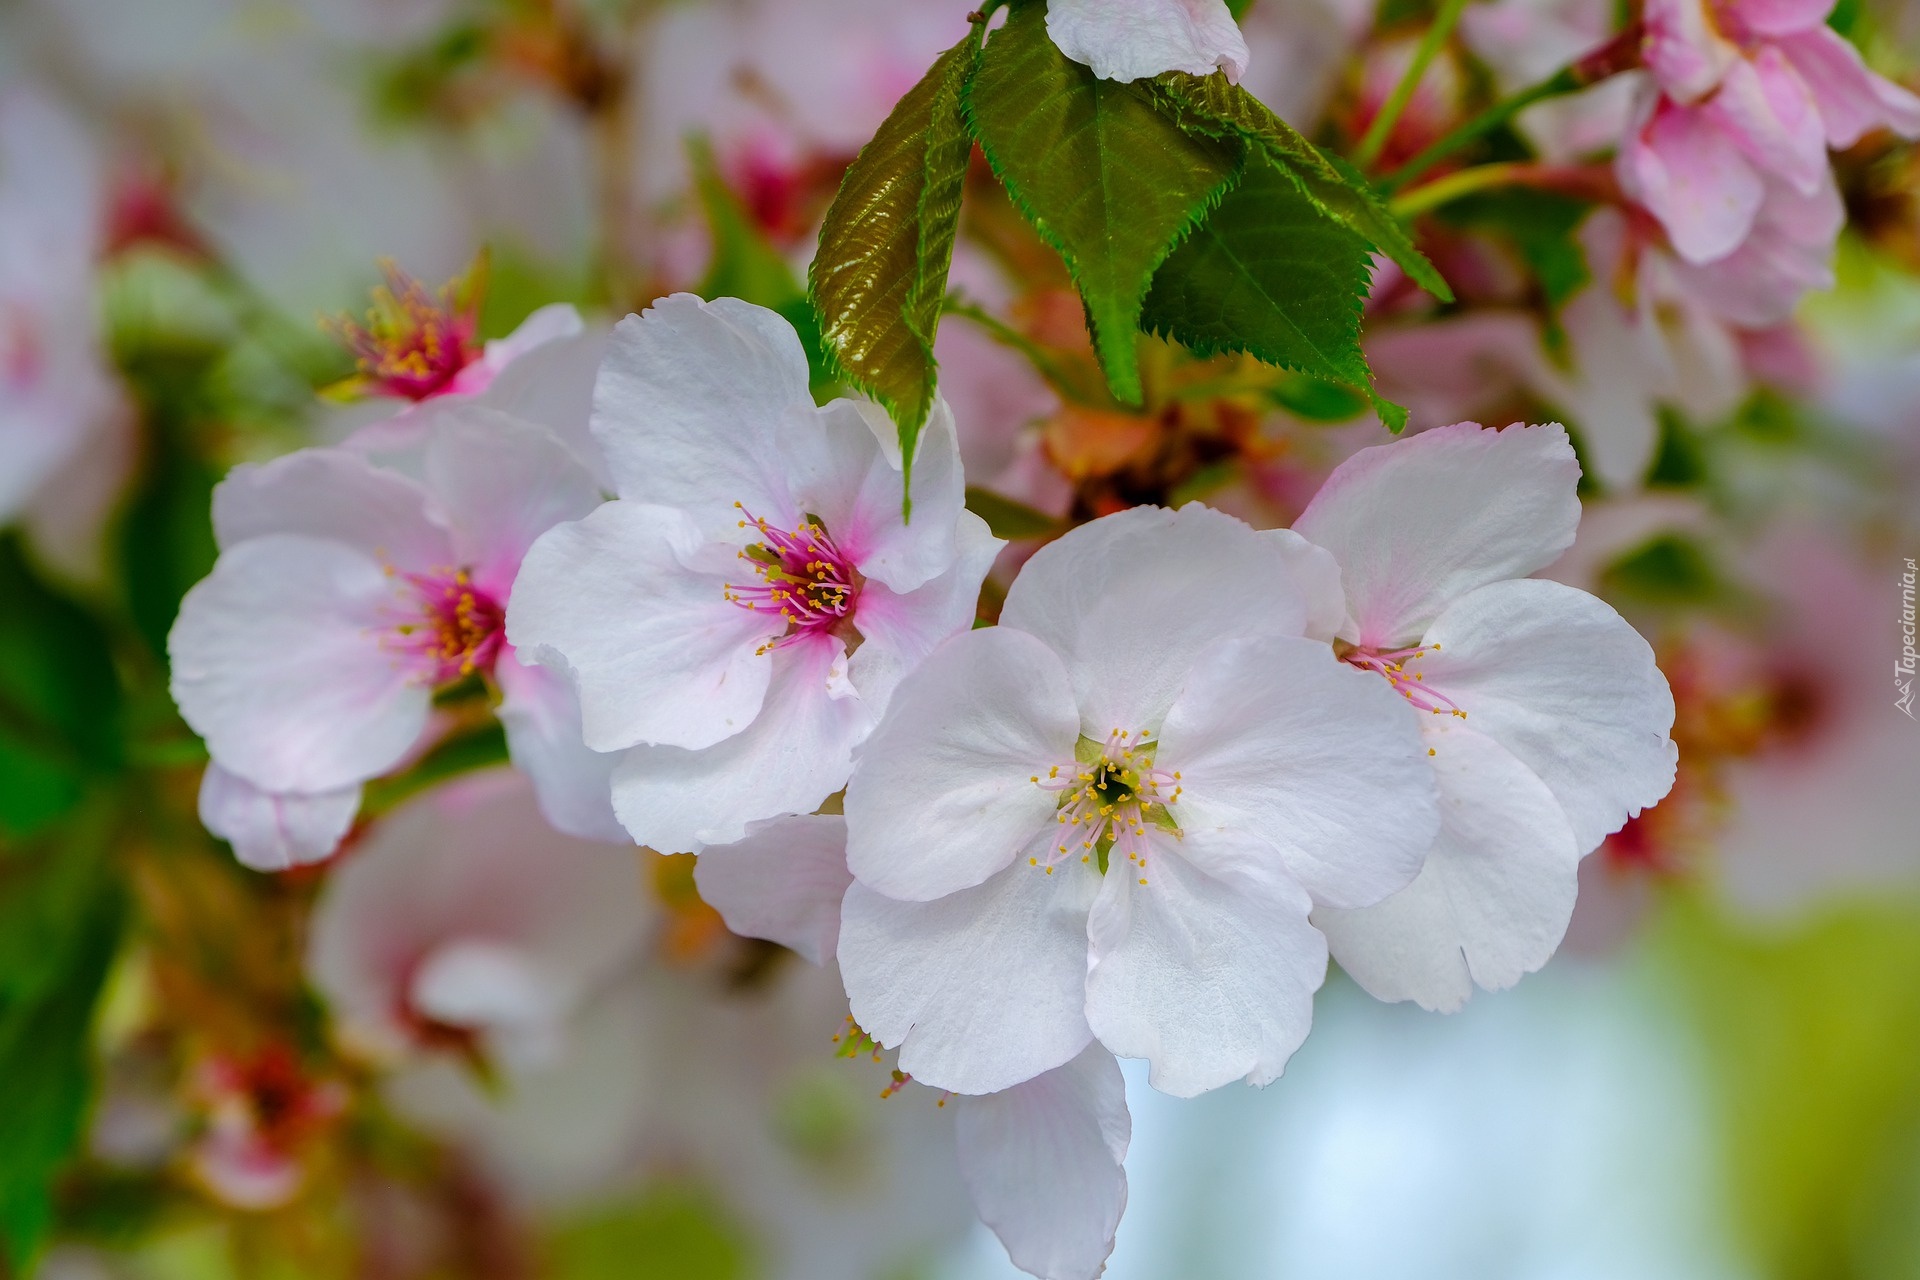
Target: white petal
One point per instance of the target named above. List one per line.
(336, 495)
(1494, 898)
(656, 650)
(1318, 575)
(1319, 762)
(1418, 522)
(692, 401)
(841, 473)
(1137, 39)
(898, 631)
(783, 882)
(796, 752)
(982, 989)
(1130, 600)
(274, 832)
(552, 386)
(1210, 982)
(942, 795)
(480, 983)
(1043, 1161)
(573, 782)
(501, 483)
(552, 323)
(279, 662)
(1564, 683)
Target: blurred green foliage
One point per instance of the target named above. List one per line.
(61, 908)
(671, 1232)
(60, 705)
(1541, 228)
(1812, 1035)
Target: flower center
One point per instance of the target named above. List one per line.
(1395, 665)
(803, 577)
(457, 629)
(1109, 795)
(413, 342)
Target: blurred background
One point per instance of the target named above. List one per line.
(201, 1074)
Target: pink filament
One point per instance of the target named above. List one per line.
(1410, 685)
(804, 578)
(458, 629)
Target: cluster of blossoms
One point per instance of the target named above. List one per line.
(1728, 148)
(1131, 818)
(1117, 785)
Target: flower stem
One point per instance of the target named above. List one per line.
(1389, 114)
(1425, 199)
(1622, 53)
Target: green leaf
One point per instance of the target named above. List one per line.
(1209, 105)
(1317, 400)
(746, 266)
(880, 277)
(1108, 180)
(60, 919)
(166, 536)
(1268, 275)
(1012, 520)
(60, 705)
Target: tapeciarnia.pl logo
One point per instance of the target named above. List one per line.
(1903, 670)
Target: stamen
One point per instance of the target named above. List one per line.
(1117, 797)
(455, 630)
(415, 342)
(1412, 686)
(804, 577)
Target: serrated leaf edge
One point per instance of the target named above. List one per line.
(1197, 215)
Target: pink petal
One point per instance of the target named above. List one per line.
(1769, 112)
(1789, 254)
(1780, 17)
(1852, 99)
(1686, 54)
(1691, 176)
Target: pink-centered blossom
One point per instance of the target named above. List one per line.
(1544, 720)
(736, 620)
(1110, 816)
(345, 597)
(1745, 98)
(56, 390)
(418, 355)
(464, 924)
(265, 1119)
